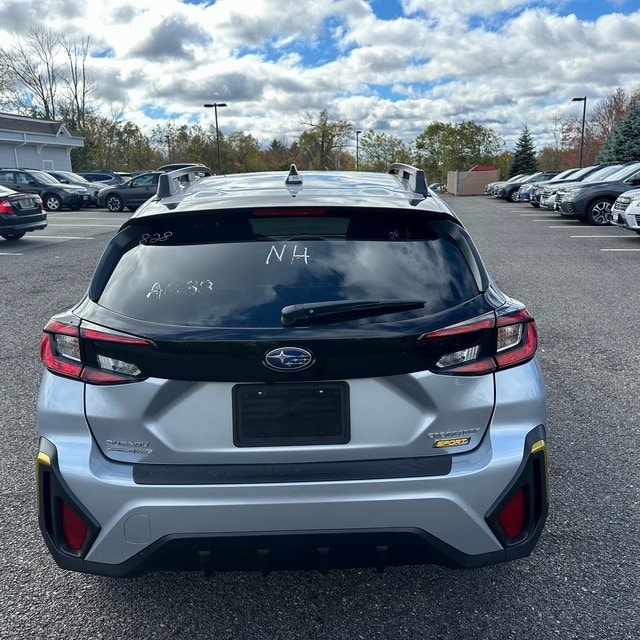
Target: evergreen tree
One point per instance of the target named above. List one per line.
(623, 145)
(524, 156)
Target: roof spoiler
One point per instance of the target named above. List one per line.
(412, 178)
(174, 181)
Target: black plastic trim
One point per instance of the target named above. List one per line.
(52, 490)
(315, 550)
(531, 477)
(341, 471)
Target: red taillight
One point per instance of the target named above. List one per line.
(74, 528)
(60, 349)
(62, 353)
(6, 207)
(512, 516)
(501, 341)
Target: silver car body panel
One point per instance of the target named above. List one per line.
(451, 507)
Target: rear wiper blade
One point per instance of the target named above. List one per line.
(314, 312)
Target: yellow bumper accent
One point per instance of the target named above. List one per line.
(43, 458)
(541, 447)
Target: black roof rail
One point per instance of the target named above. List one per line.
(170, 182)
(413, 178)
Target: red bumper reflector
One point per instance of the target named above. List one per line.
(74, 529)
(511, 518)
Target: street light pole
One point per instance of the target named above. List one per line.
(358, 132)
(215, 106)
(584, 115)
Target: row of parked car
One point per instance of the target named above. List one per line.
(599, 194)
(27, 194)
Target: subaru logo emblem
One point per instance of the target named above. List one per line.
(288, 359)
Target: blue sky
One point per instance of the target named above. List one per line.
(389, 65)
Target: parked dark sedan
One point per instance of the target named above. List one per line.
(19, 213)
(130, 194)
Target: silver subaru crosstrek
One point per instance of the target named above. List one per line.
(291, 370)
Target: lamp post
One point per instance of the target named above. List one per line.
(215, 106)
(358, 132)
(584, 115)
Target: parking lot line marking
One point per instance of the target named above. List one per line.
(67, 237)
(604, 236)
(619, 250)
(566, 225)
(10, 254)
(63, 224)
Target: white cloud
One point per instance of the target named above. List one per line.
(503, 64)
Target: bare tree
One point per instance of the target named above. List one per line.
(606, 112)
(77, 86)
(45, 76)
(31, 64)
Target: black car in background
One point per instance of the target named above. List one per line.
(55, 195)
(20, 213)
(130, 194)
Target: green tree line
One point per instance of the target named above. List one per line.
(43, 74)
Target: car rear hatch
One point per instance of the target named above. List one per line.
(292, 336)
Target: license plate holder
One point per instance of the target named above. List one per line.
(291, 414)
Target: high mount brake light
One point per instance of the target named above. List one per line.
(290, 211)
(501, 341)
(62, 353)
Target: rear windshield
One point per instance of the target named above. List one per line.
(240, 270)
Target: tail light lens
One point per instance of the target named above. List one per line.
(85, 352)
(487, 344)
(6, 208)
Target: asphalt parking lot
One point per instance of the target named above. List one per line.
(581, 582)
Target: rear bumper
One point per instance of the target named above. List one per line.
(449, 519)
(22, 227)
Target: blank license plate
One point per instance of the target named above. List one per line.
(290, 414)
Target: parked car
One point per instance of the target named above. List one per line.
(106, 177)
(593, 173)
(54, 194)
(625, 211)
(297, 369)
(591, 201)
(438, 187)
(509, 190)
(20, 213)
(130, 194)
(532, 191)
(180, 165)
(492, 187)
(68, 177)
